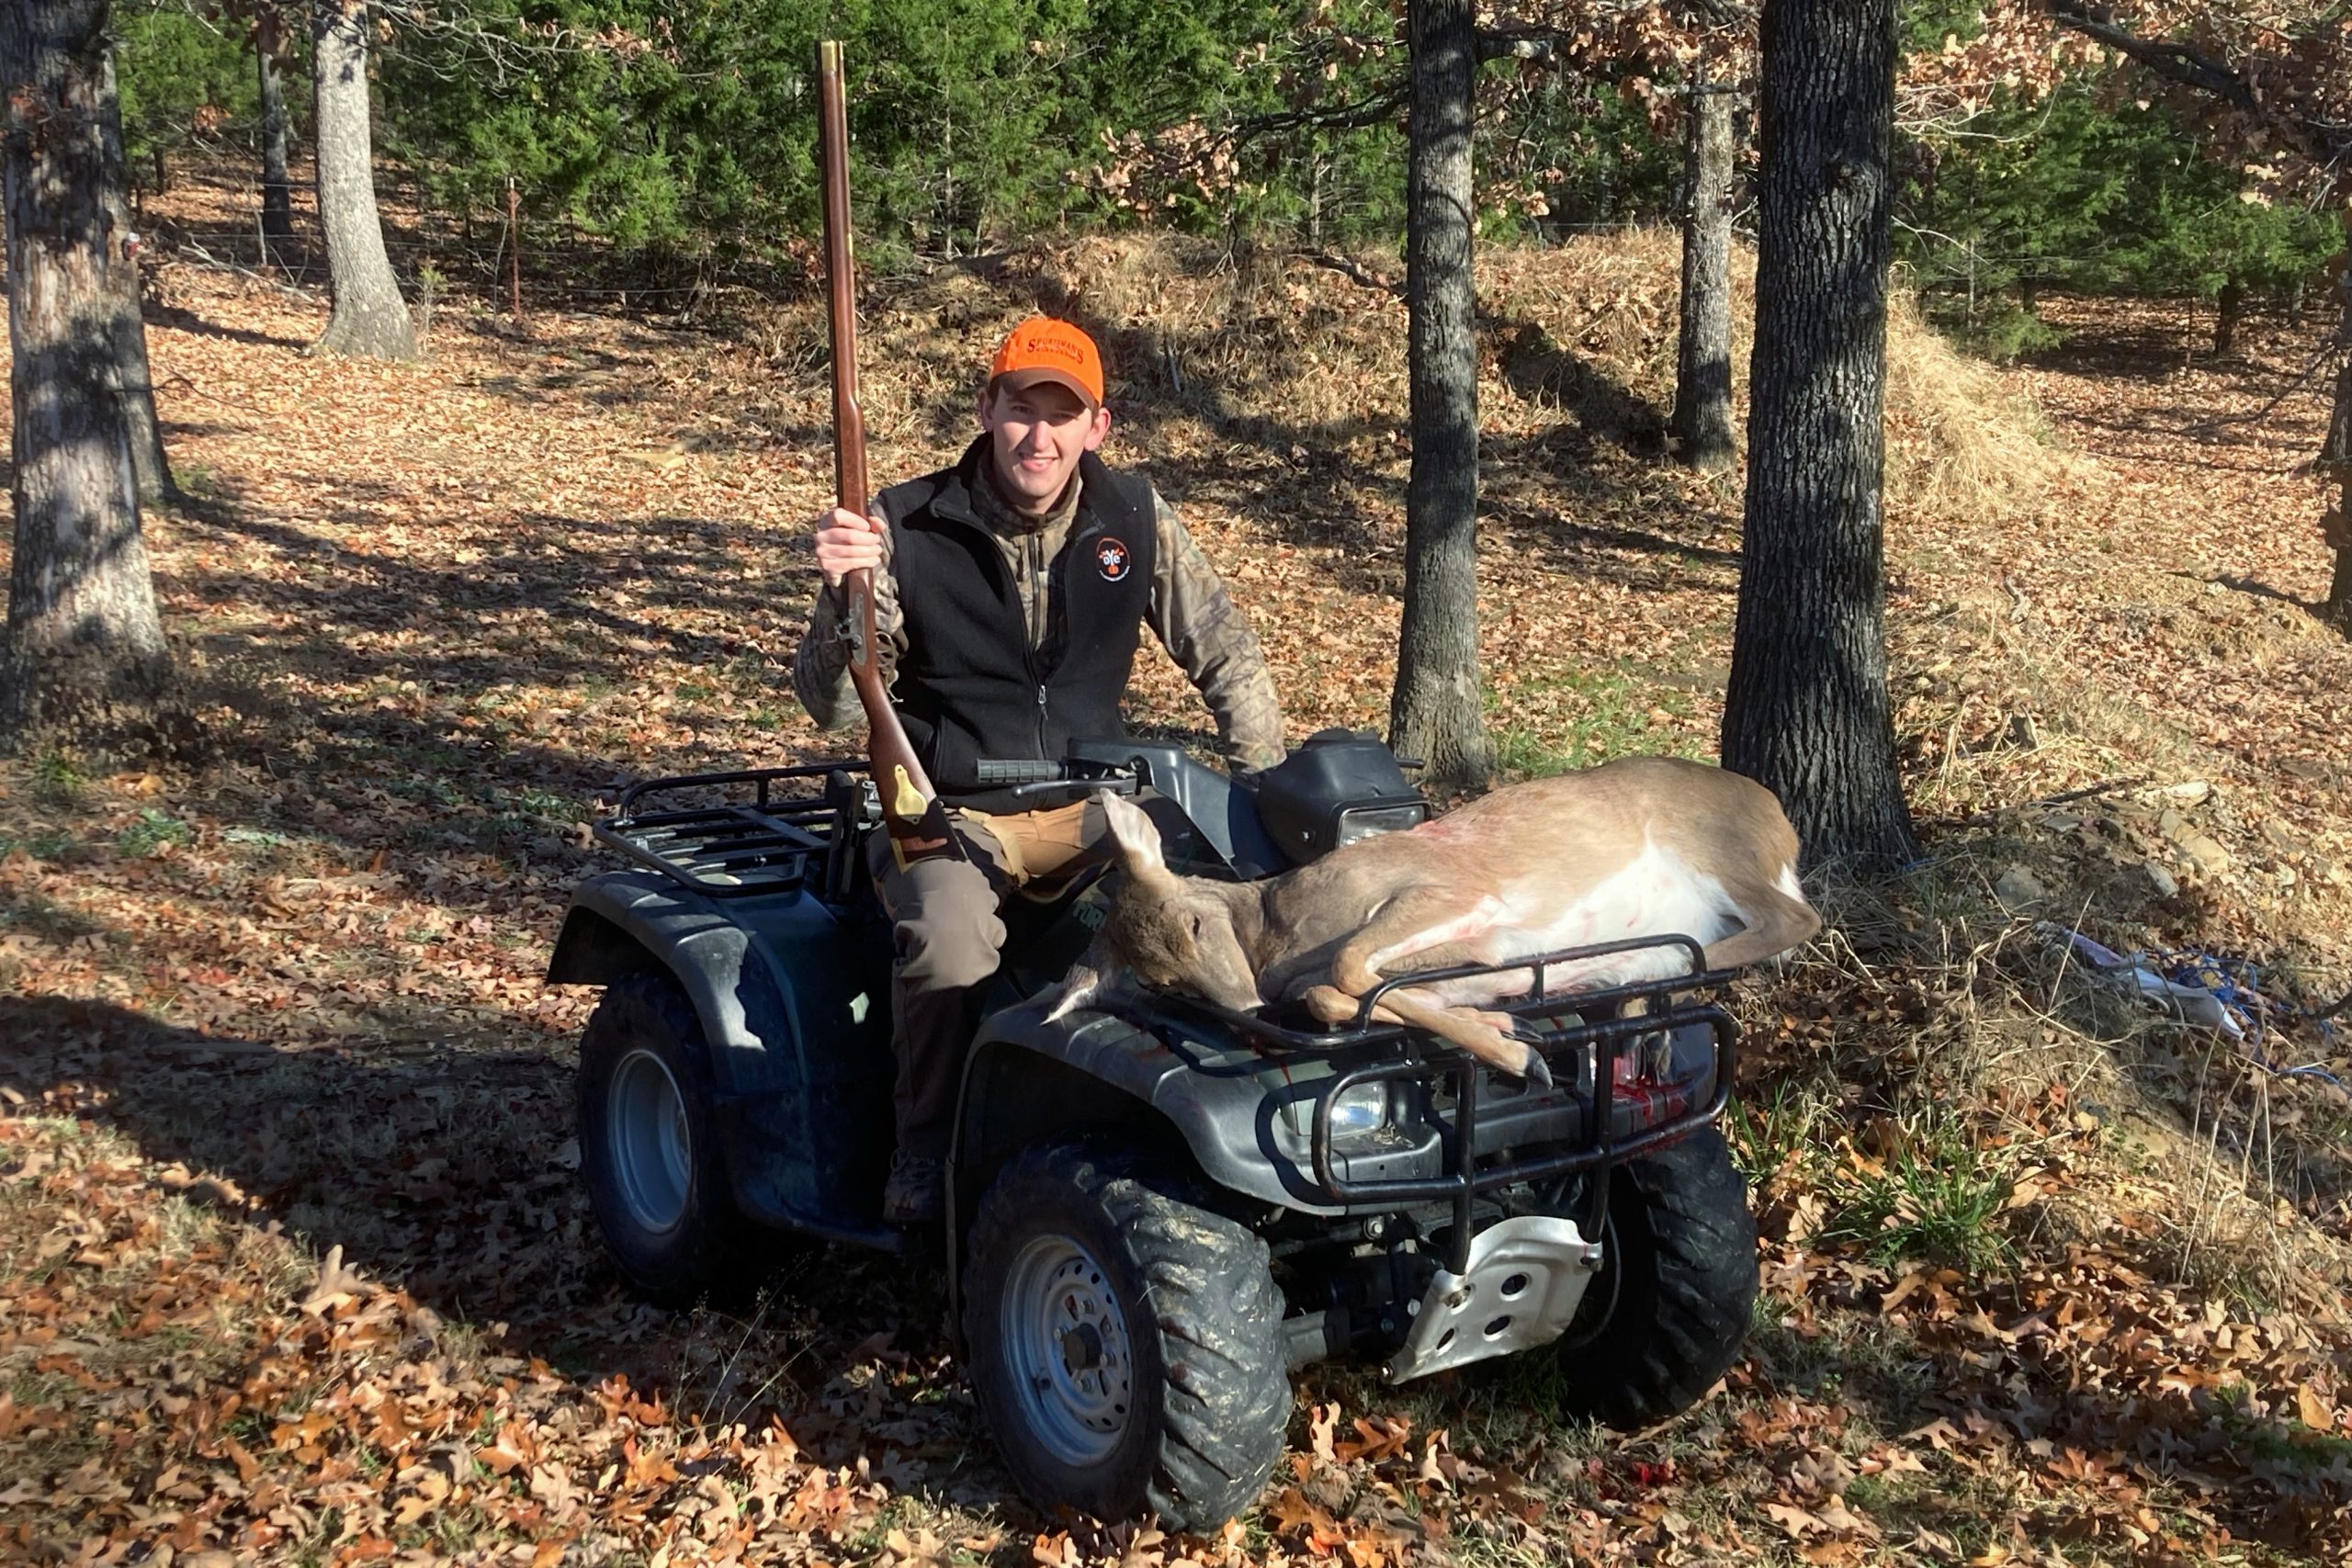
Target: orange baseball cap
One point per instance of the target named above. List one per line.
(1043, 349)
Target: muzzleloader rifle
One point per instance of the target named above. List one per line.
(910, 808)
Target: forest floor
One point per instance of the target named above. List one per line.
(295, 1266)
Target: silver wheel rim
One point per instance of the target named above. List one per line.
(1065, 1342)
(652, 1147)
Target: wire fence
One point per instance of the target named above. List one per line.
(564, 264)
(561, 263)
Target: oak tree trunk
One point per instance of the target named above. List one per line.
(1702, 430)
(276, 184)
(2335, 468)
(369, 317)
(153, 469)
(1807, 711)
(1436, 712)
(82, 659)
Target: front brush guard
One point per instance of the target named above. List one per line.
(1597, 1044)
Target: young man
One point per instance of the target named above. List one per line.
(1010, 592)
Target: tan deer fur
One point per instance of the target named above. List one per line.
(1645, 846)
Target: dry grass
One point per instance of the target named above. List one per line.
(1963, 445)
(1234, 343)
(1981, 1038)
(611, 511)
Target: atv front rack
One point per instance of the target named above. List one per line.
(1604, 1026)
(733, 848)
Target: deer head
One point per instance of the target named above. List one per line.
(1165, 931)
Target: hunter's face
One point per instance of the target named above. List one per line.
(1038, 433)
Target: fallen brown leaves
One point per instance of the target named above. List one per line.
(192, 1406)
(293, 1266)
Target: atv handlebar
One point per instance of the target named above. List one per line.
(1016, 771)
(1029, 777)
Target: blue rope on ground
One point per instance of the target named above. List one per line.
(2236, 984)
(2233, 985)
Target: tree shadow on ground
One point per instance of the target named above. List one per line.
(448, 1169)
(2179, 454)
(376, 691)
(2115, 351)
(179, 319)
(1545, 372)
(2253, 586)
(573, 574)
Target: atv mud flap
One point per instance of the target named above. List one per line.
(1525, 1280)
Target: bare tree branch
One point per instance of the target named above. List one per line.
(2324, 140)
(1375, 110)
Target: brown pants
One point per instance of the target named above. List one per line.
(944, 914)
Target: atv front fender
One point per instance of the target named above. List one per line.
(1029, 1079)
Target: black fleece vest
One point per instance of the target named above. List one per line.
(969, 685)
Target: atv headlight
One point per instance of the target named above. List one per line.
(1363, 821)
(1359, 1110)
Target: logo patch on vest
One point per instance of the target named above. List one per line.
(1112, 559)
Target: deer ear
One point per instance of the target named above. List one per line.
(1078, 989)
(1138, 840)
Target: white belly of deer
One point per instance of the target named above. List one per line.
(1656, 893)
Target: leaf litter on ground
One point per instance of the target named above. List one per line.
(293, 1262)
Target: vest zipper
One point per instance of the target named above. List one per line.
(1034, 546)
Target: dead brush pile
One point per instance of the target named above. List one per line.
(1214, 344)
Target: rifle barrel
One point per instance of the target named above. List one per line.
(841, 279)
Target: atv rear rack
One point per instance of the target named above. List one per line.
(1602, 1023)
(735, 848)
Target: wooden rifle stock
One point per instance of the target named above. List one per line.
(911, 810)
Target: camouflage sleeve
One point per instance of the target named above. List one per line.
(820, 664)
(1204, 631)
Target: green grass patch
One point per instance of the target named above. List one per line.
(151, 832)
(1579, 720)
(55, 845)
(1772, 1133)
(58, 781)
(542, 803)
(1935, 1198)
(2284, 1446)
(430, 791)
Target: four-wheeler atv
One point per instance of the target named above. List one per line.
(1156, 1209)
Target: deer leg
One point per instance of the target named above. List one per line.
(1776, 923)
(1418, 921)
(1332, 1005)
(1439, 927)
(1485, 1035)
